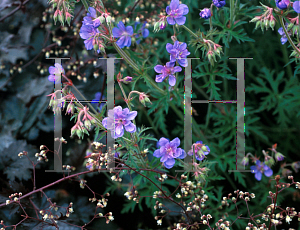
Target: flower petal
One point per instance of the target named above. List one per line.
(172, 80)
(116, 32)
(268, 172)
(131, 128)
(171, 20)
(158, 68)
(180, 20)
(169, 163)
(258, 176)
(174, 4)
(162, 141)
(131, 115)
(129, 30)
(104, 122)
(169, 47)
(157, 153)
(164, 158)
(121, 26)
(184, 8)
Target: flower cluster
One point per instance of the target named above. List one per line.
(169, 151)
(266, 20)
(82, 125)
(118, 119)
(91, 31)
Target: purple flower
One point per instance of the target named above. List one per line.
(90, 34)
(205, 13)
(178, 52)
(56, 69)
(168, 151)
(123, 33)
(96, 100)
(165, 71)
(260, 168)
(176, 12)
(117, 154)
(91, 18)
(219, 3)
(200, 150)
(143, 31)
(283, 36)
(282, 4)
(296, 6)
(119, 117)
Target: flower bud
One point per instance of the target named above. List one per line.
(144, 98)
(270, 162)
(163, 25)
(245, 161)
(272, 24)
(257, 24)
(96, 47)
(156, 27)
(279, 156)
(127, 79)
(102, 19)
(108, 19)
(204, 148)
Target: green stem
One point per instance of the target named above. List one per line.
(288, 36)
(188, 30)
(136, 68)
(85, 4)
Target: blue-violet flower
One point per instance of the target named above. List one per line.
(282, 4)
(176, 12)
(123, 33)
(219, 3)
(167, 71)
(56, 69)
(91, 18)
(205, 13)
(117, 118)
(168, 151)
(144, 31)
(91, 36)
(178, 52)
(260, 168)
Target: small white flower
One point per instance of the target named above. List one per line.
(288, 219)
(159, 222)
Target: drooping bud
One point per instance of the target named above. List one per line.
(156, 27)
(272, 24)
(144, 98)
